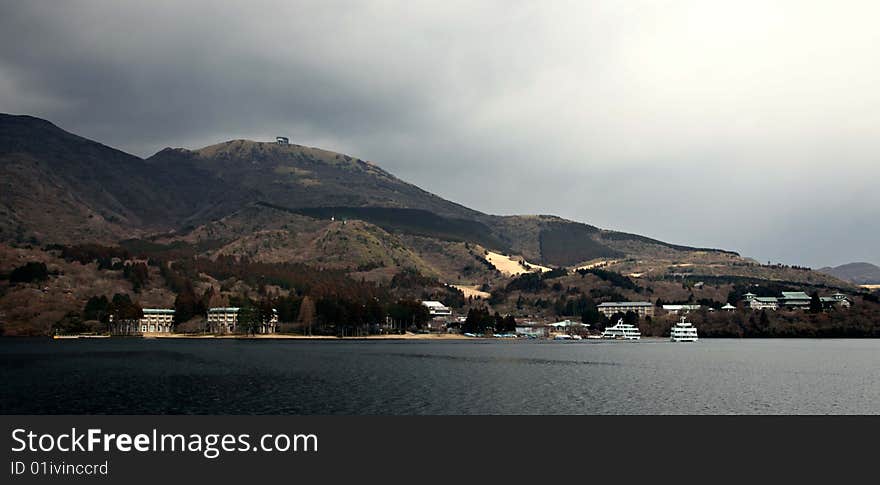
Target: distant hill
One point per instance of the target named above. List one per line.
(858, 273)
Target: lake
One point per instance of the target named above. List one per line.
(182, 376)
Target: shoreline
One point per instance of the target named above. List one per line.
(314, 337)
(387, 337)
(428, 337)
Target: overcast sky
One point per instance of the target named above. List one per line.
(750, 126)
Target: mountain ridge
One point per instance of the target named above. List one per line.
(110, 195)
(860, 273)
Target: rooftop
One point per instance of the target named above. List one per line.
(625, 303)
(682, 307)
(568, 323)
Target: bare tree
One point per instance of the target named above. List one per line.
(307, 313)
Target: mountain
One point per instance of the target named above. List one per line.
(246, 219)
(287, 202)
(858, 273)
(61, 187)
(295, 176)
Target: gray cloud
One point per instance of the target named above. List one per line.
(741, 125)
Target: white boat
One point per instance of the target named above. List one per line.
(622, 331)
(562, 336)
(683, 331)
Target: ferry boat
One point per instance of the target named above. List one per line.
(622, 331)
(683, 331)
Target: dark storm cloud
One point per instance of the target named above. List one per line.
(741, 125)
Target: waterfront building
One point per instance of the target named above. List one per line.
(532, 330)
(568, 326)
(224, 320)
(124, 327)
(676, 309)
(155, 321)
(437, 309)
(640, 308)
(440, 316)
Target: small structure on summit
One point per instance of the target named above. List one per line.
(282, 140)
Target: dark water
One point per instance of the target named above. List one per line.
(120, 376)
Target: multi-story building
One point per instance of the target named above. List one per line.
(224, 320)
(763, 302)
(154, 321)
(640, 308)
(440, 315)
(157, 320)
(437, 309)
(837, 299)
(793, 300)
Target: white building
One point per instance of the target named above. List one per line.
(155, 321)
(676, 309)
(728, 307)
(437, 309)
(569, 327)
(224, 320)
(764, 303)
(532, 330)
(756, 302)
(640, 308)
